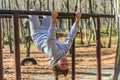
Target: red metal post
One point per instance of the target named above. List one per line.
(98, 47)
(1, 54)
(73, 60)
(16, 47)
(73, 57)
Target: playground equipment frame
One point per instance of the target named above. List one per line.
(16, 14)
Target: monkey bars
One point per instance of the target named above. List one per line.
(16, 14)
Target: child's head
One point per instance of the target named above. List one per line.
(61, 67)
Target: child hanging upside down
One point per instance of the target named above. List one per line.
(44, 37)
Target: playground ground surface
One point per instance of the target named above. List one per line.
(86, 65)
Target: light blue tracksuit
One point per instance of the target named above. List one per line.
(44, 37)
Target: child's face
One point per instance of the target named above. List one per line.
(63, 63)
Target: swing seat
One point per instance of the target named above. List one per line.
(28, 59)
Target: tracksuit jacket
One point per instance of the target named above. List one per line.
(44, 37)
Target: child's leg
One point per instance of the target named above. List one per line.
(34, 24)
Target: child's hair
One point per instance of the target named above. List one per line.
(57, 71)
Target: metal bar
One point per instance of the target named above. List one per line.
(26, 16)
(37, 12)
(56, 77)
(1, 54)
(73, 57)
(98, 48)
(17, 47)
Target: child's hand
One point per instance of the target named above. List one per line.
(78, 16)
(54, 15)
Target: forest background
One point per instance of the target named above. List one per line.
(83, 6)
(87, 32)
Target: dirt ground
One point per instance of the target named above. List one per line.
(85, 64)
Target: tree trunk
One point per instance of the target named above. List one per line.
(40, 2)
(48, 6)
(53, 3)
(117, 59)
(110, 34)
(3, 26)
(93, 23)
(9, 33)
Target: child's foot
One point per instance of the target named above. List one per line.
(54, 15)
(78, 16)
